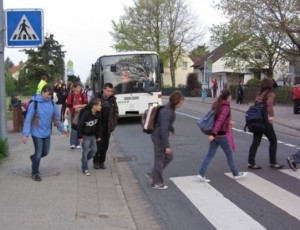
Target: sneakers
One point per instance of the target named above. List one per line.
(86, 172)
(276, 166)
(78, 147)
(159, 186)
(292, 163)
(250, 166)
(240, 175)
(102, 166)
(96, 165)
(36, 178)
(72, 147)
(203, 179)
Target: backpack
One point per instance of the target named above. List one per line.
(149, 118)
(26, 106)
(206, 123)
(256, 117)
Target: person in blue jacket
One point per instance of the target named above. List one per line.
(38, 124)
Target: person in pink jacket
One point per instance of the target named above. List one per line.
(219, 137)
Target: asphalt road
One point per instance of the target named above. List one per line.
(175, 209)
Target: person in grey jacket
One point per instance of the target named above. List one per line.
(163, 154)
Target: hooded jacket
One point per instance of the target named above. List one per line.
(89, 124)
(222, 123)
(38, 122)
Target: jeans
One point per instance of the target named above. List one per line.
(270, 134)
(73, 136)
(161, 161)
(41, 149)
(223, 142)
(296, 106)
(89, 149)
(102, 147)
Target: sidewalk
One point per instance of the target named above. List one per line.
(65, 199)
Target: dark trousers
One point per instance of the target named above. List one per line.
(102, 147)
(296, 106)
(161, 161)
(270, 134)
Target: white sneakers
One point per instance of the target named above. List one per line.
(241, 175)
(78, 147)
(203, 179)
(86, 172)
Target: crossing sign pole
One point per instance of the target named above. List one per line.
(24, 27)
(3, 122)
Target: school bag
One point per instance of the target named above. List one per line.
(149, 118)
(256, 117)
(206, 123)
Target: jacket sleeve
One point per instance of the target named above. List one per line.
(115, 114)
(99, 128)
(84, 98)
(81, 124)
(165, 120)
(220, 120)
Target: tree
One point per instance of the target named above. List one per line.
(249, 43)
(8, 63)
(48, 58)
(165, 26)
(280, 16)
(199, 52)
(10, 82)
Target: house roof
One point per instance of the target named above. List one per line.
(14, 69)
(214, 55)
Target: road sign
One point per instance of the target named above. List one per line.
(24, 27)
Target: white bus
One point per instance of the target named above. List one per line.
(135, 77)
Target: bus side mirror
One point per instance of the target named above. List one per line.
(161, 66)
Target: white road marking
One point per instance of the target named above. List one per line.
(220, 211)
(292, 173)
(276, 195)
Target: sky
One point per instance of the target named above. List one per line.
(83, 28)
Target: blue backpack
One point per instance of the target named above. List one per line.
(206, 123)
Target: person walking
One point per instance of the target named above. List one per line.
(267, 96)
(42, 83)
(163, 153)
(240, 93)
(110, 115)
(218, 137)
(293, 160)
(89, 131)
(38, 123)
(215, 87)
(75, 102)
(296, 98)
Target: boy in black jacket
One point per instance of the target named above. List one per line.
(89, 130)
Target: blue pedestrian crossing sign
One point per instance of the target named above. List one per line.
(24, 27)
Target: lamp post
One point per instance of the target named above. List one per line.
(3, 121)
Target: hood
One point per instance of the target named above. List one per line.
(39, 98)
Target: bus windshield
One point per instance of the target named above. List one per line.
(131, 73)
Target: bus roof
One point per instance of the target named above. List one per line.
(128, 53)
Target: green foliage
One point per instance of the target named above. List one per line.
(284, 95)
(200, 51)
(3, 148)
(10, 82)
(252, 83)
(181, 86)
(48, 58)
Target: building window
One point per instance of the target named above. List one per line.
(184, 65)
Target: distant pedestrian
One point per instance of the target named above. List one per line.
(38, 123)
(76, 101)
(163, 153)
(218, 137)
(110, 115)
(42, 83)
(89, 131)
(215, 87)
(267, 96)
(296, 98)
(293, 160)
(240, 93)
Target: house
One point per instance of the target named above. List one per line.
(214, 66)
(15, 71)
(184, 67)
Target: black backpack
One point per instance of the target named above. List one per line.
(256, 117)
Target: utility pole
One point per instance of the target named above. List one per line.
(3, 122)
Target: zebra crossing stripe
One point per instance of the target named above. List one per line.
(283, 199)
(214, 206)
(291, 173)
